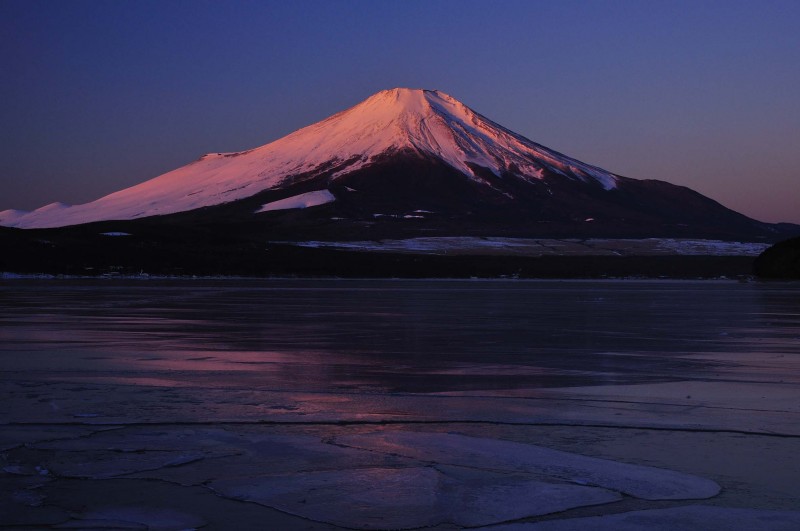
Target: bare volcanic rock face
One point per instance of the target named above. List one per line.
(407, 162)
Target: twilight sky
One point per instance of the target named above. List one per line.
(98, 95)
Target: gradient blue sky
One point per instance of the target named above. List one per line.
(96, 96)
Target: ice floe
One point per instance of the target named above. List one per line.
(642, 482)
(404, 498)
(135, 517)
(687, 518)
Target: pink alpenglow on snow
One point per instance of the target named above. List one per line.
(423, 121)
(309, 199)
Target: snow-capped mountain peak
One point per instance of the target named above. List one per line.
(434, 123)
(430, 123)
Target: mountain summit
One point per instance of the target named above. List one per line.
(409, 162)
(430, 123)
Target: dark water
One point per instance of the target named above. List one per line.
(413, 336)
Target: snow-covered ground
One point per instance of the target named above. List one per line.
(549, 247)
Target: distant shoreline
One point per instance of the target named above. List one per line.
(10, 276)
(322, 263)
(85, 253)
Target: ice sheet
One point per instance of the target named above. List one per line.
(642, 482)
(405, 498)
(136, 517)
(688, 518)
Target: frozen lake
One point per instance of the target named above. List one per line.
(400, 336)
(695, 378)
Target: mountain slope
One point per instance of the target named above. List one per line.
(429, 123)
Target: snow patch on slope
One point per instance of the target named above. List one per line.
(308, 199)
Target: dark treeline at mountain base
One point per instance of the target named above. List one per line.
(61, 252)
(782, 260)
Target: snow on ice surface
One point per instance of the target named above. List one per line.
(308, 199)
(549, 246)
(428, 122)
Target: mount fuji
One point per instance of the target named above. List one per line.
(404, 163)
(406, 183)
